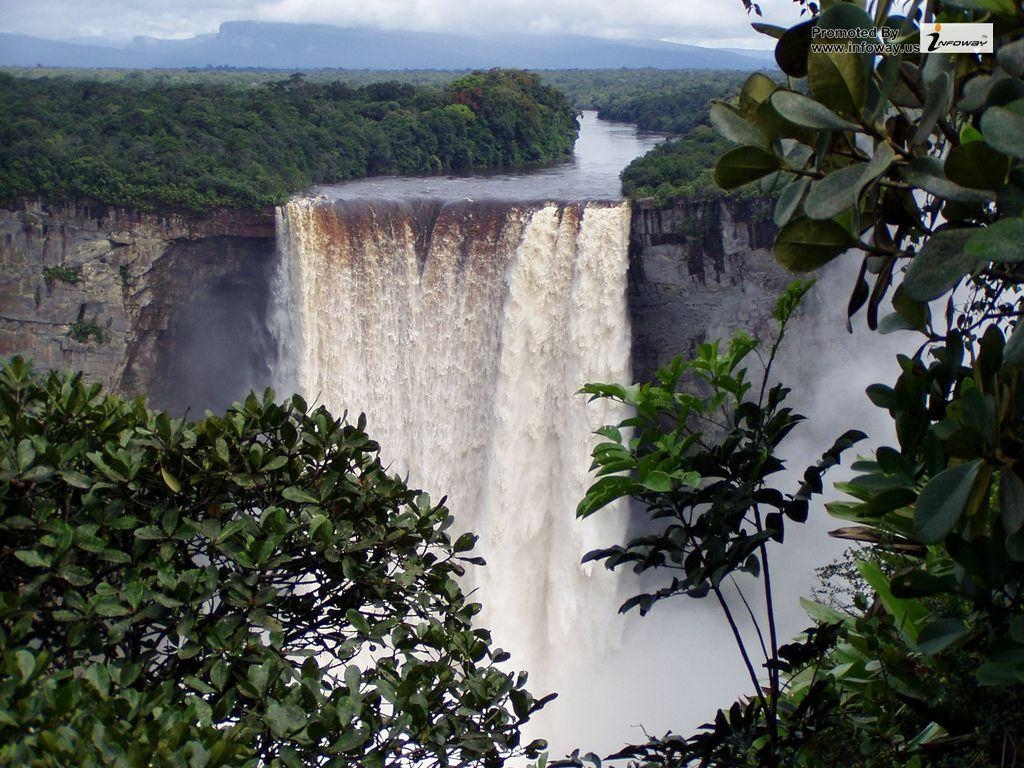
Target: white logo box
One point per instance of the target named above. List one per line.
(956, 38)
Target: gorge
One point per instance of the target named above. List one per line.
(464, 326)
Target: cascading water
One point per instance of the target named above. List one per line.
(464, 330)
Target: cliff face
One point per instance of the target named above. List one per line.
(699, 270)
(177, 306)
(114, 293)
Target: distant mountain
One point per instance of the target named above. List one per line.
(315, 46)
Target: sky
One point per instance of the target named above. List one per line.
(721, 23)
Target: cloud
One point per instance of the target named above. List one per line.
(683, 20)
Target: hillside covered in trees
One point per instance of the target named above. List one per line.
(198, 145)
(675, 103)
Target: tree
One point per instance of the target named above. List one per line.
(914, 160)
(249, 589)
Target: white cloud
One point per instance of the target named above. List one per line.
(708, 21)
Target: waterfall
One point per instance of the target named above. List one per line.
(464, 330)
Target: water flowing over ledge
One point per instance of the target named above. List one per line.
(464, 330)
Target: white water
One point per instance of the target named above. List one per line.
(463, 331)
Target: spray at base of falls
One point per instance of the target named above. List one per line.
(464, 331)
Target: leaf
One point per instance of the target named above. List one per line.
(1001, 242)
(275, 463)
(810, 113)
(743, 165)
(995, 6)
(320, 522)
(938, 635)
(789, 200)
(31, 558)
(657, 481)
(99, 677)
(771, 30)
(1011, 501)
(76, 479)
(298, 495)
(25, 454)
(792, 48)
(839, 79)
(731, 125)
(1011, 57)
(996, 673)
(977, 166)
(172, 482)
(833, 194)
(604, 492)
(26, 663)
(937, 101)
(805, 244)
(941, 264)
(219, 674)
(756, 89)
(928, 174)
(879, 163)
(258, 676)
(1004, 129)
(822, 613)
(352, 678)
(908, 614)
(914, 313)
(1013, 352)
(284, 720)
(942, 502)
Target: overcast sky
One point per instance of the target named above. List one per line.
(702, 22)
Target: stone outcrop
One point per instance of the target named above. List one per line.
(99, 289)
(699, 270)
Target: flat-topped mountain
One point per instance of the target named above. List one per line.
(307, 46)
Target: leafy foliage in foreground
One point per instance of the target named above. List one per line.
(699, 453)
(915, 161)
(252, 589)
(199, 146)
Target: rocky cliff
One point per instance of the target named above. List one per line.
(124, 295)
(699, 270)
(176, 306)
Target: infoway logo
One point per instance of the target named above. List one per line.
(956, 38)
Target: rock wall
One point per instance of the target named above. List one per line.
(699, 270)
(101, 289)
(130, 297)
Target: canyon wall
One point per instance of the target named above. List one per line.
(129, 297)
(176, 305)
(699, 270)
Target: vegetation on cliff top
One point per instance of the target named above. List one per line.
(200, 146)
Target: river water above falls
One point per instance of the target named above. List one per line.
(603, 149)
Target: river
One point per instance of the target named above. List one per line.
(603, 149)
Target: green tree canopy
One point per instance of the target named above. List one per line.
(202, 145)
(250, 589)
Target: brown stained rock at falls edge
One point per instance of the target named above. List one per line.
(699, 270)
(121, 275)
